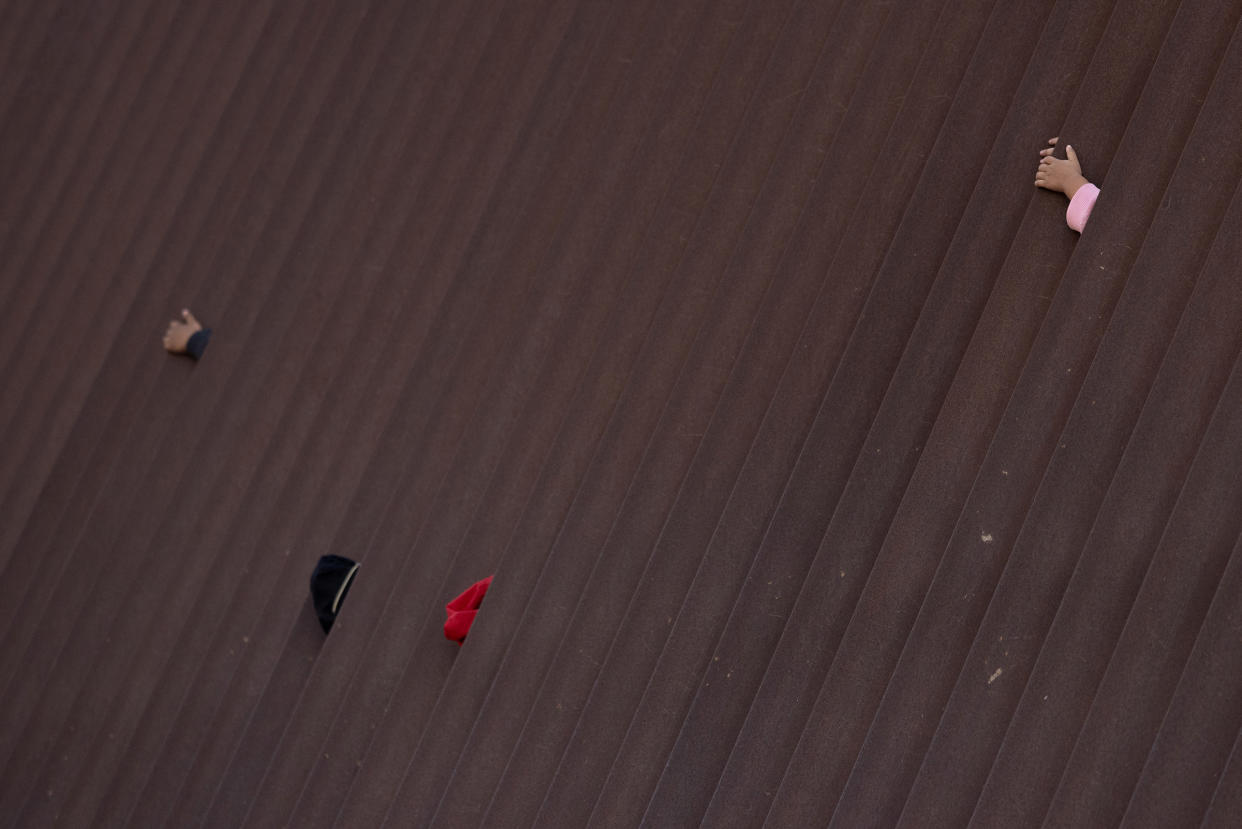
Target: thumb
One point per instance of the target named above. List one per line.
(188, 317)
(1070, 154)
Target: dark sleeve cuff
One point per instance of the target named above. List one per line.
(197, 343)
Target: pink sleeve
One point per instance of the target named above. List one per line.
(1079, 209)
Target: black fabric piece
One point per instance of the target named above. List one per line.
(197, 344)
(329, 584)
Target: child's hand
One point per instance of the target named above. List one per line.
(1061, 174)
(180, 331)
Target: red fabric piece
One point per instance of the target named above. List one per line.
(463, 609)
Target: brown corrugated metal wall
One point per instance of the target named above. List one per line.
(826, 476)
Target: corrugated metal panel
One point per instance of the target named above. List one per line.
(826, 476)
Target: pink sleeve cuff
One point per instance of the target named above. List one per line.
(1079, 209)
